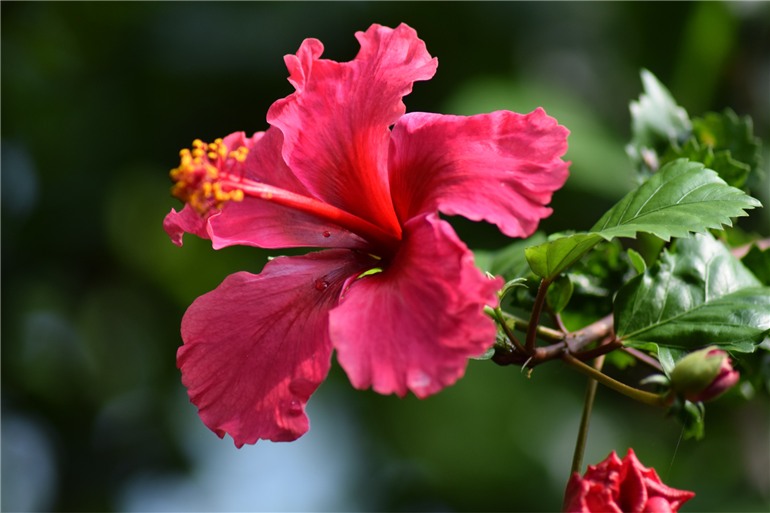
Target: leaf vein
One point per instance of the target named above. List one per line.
(649, 198)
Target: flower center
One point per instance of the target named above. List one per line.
(210, 175)
(197, 179)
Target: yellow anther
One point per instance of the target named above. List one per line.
(239, 154)
(218, 194)
(197, 178)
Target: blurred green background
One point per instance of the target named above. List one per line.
(97, 99)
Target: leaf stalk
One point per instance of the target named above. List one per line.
(634, 393)
(534, 319)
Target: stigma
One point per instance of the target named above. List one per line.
(204, 176)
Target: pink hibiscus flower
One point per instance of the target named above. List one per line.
(395, 292)
(622, 486)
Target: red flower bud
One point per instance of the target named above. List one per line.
(703, 375)
(619, 486)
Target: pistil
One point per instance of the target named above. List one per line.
(370, 232)
(211, 175)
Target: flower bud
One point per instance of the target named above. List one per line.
(617, 485)
(703, 375)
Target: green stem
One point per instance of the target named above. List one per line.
(537, 308)
(597, 330)
(498, 315)
(599, 351)
(639, 355)
(580, 444)
(634, 393)
(542, 332)
(559, 323)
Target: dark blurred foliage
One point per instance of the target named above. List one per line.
(97, 98)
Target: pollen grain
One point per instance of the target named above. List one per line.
(198, 178)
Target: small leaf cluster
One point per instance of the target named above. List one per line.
(663, 132)
(655, 278)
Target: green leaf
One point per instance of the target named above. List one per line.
(559, 293)
(549, 259)
(730, 170)
(656, 123)
(637, 260)
(731, 134)
(510, 285)
(683, 197)
(723, 142)
(595, 278)
(698, 294)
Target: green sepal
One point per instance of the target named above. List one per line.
(691, 416)
(656, 379)
(667, 356)
(488, 354)
(697, 370)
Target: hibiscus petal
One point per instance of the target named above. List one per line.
(255, 220)
(501, 167)
(597, 490)
(414, 325)
(336, 123)
(186, 220)
(262, 223)
(672, 496)
(633, 491)
(267, 225)
(656, 489)
(657, 505)
(256, 347)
